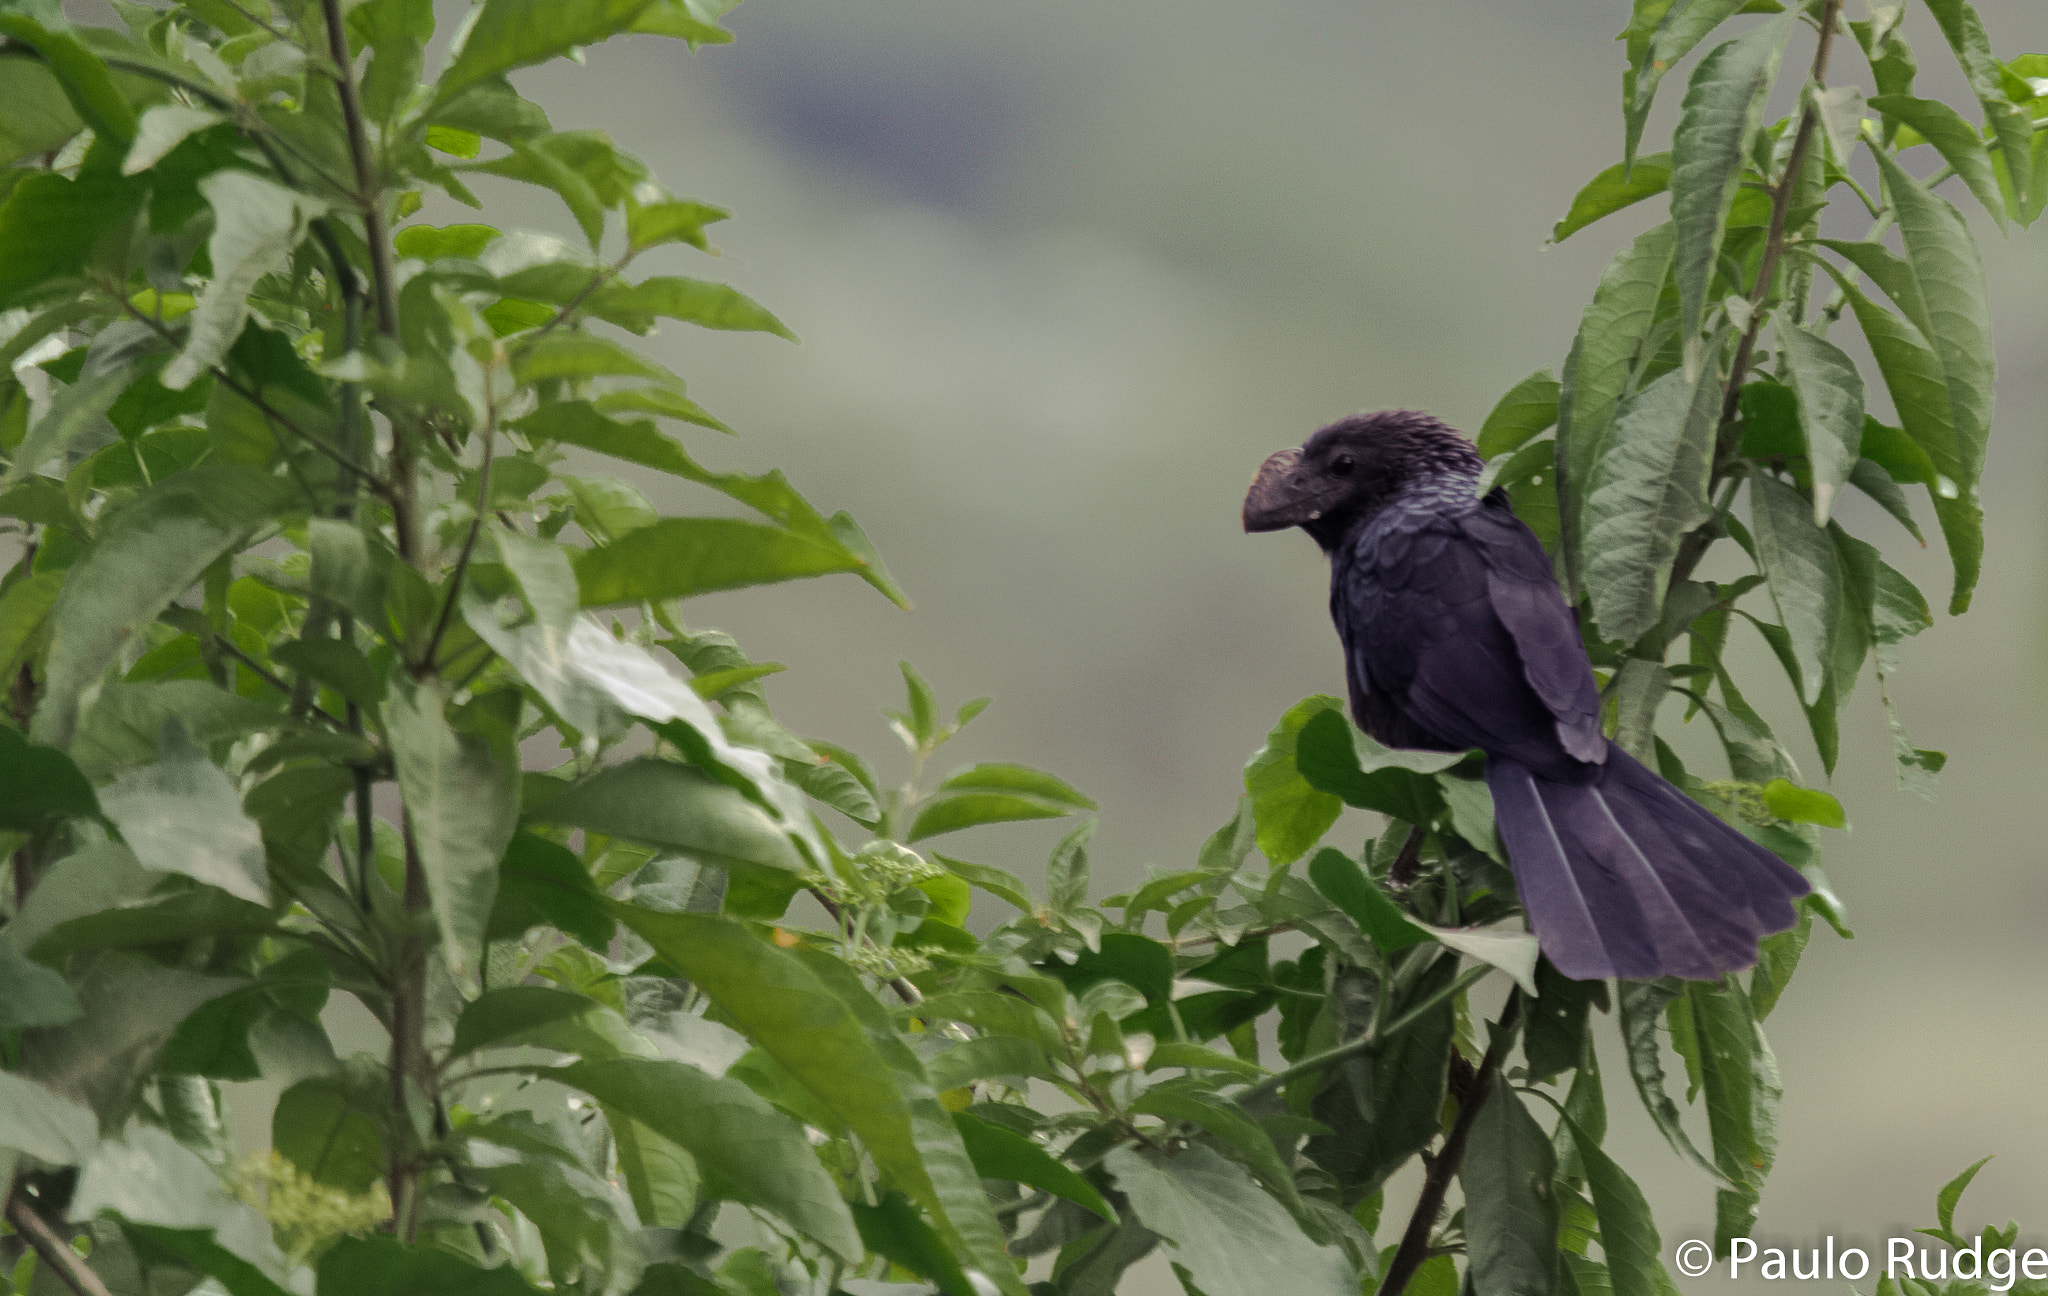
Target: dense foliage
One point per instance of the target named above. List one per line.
(334, 665)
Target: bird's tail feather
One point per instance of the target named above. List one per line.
(1628, 877)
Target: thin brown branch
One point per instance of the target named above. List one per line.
(476, 523)
(905, 991)
(52, 1250)
(264, 673)
(1414, 1248)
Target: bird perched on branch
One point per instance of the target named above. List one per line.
(1456, 636)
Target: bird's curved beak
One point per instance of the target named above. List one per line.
(1279, 498)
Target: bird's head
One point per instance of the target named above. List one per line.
(1344, 471)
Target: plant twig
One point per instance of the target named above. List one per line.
(52, 1250)
(1414, 1248)
(368, 193)
(476, 522)
(1367, 1043)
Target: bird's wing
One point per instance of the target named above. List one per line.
(1444, 617)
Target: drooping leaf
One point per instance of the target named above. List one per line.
(1510, 1214)
(1345, 885)
(1646, 490)
(461, 798)
(674, 807)
(1805, 579)
(1612, 330)
(1723, 110)
(1830, 409)
(678, 557)
(256, 225)
(1954, 138)
(1740, 1087)
(694, 301)
(1000, 1153)
(969, 809)
(1336, 757)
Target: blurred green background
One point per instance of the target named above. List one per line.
(1065, 273)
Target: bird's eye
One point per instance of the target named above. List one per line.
(1342, 465)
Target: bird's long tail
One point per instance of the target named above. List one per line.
(1629, 877)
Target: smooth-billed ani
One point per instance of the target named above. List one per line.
(1456, 636)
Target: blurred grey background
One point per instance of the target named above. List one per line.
(1065, 273)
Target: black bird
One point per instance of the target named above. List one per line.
(1456, 636)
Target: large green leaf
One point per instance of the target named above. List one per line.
(184, 815)
(836, 1041)
(511, 34)
(679, 557)
(1950, 276)
(1805, 579)
(1723, 110)
(1628, 1233)
(35, 115)
(1336, 757)
(256, 224)
(1739, 1082)
(1611, 331)
(970, 809)
(1000, 1153)
(1228, 1235)
(1522, 413)
(1830, 409)
(693, 301)
(745, 1150)
(461, 794)
(1622, 185)
(380, 1265)
(1954, 138)
(2010, 123)
(1645, 491)
(75, 421)
(45, 1124)
(85, 79)
(53, 226)
(1679, 26)
(1510, 1215)
(147, 553)
(1291, 813)
(675, 807)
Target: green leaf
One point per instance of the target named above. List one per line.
(669, 220)
(1830, 409)
(432, 242)
(1954, 138)
(1950, 277)
(127, 721)
(968, 810)
(634, 307)
(1522, 413)
(1229, 1236)
(1335, 757)
(679, 557)
(24, 612)
(42, 784)
(1645, 491)
(35, 114)
(541, 882)
(1015, 778)
(327, 1126)
(1642, 1008)
(674, 807)
(508, 1011)
(1951, 1193)
(1612, 330)
(184, 815)
(1291, 814)
(1628, 1234)
(44, 1124)
(1002, 885)
(75, 421)
(1739, 1083)
(999, 1153)
(380, 1265)
(745, 1150)
(2010, 124)
(837, 1042)
(33, 995)
(86, 81)
(1805, 579)
(894, 1230)
(256, 225)
(988, 1057)
(53, 227)
(198, 1249)
(576, 356)
(147, 553)
(510, 34)
(1345, 885)
(461, 793)
(1510, 1215)
(1788, 801)
(1621, 185)
(1723, 110)
(163, 128)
